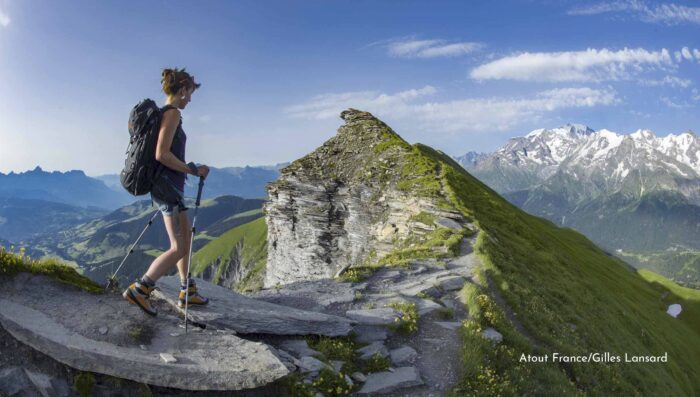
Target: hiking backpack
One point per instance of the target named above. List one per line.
(141, 169)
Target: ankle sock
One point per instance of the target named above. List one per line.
(183, 282)
(147, 281)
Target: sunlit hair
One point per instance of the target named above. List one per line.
(174, 79)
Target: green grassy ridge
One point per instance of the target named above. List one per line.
(252, 236)
(11, 264)
(553, 278)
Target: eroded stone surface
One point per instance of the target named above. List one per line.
(403, 355)
(309, 295)
(299, 348)
(492, 335)
(207, 361)
(451, 283)
(228, 309)
(451, 325)
(379, 316)
(387, 381)
(312, 364)
(372, 349)
(369, 333)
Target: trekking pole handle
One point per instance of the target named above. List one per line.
(199, 190)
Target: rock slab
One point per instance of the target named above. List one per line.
(492, 335)
(379, 316)
(372, 349)
(403, 355)
(230, 310)
(385, 382)
(214, 362)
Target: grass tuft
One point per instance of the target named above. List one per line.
(11, 264)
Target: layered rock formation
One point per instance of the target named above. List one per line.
(346, 203)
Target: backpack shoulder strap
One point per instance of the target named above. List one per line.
(168, 107)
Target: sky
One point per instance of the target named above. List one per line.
(456, 75)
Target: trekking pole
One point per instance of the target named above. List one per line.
(112, 280)
(194, 220)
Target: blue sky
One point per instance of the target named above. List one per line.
(456, 75)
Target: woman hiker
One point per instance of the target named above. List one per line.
(178, 85)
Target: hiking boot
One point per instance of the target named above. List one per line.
(193, 297)
(138, 294)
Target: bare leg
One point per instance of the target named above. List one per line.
(178, 249)
(186, 236)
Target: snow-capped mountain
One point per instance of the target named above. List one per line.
(471, 159)
(602, 161)
(635, 193)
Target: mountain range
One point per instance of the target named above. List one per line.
(37, 202)
(72, 187)
(248, 182)
(635, 194)
(105, 193)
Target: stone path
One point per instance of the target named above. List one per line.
(425, 363)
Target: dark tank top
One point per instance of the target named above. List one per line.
(178, 149)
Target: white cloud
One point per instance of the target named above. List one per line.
(430, 48)
(4, 19)
(326, 106)
(669, 14)
(500, 114)
(465, 115)
(675, 105)
(588, 65)
(671, 81)
(640, 114)
(686, 53)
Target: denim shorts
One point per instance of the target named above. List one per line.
(169, 208)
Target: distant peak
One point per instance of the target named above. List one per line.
(578, 129)
(37, 169)
(643, 134)
(535, 132)
(567, 129)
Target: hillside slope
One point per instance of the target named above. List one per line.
(634, 193)
(236, 259)
(99, 246)
(546, 289)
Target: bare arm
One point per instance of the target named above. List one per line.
(168, 126)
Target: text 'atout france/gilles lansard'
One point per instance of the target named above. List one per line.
(597, 357)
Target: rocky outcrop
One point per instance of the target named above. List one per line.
(344, 204)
